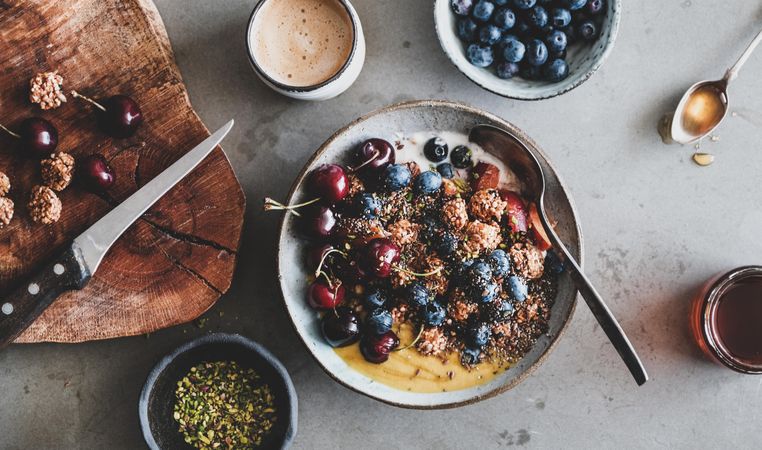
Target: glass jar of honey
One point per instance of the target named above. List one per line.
(726, 319)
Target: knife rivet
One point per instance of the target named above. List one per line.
(58, 269)
(33, 289)
(7, 309)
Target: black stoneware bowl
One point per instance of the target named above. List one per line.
(158, 397)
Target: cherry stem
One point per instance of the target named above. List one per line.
(323, 258)
(410, 272)
(76, 94)
(415, 341)
(16, 135)
(376, 154)
(327, 279)
(271, 204)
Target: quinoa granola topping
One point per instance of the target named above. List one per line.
(44, 205)
(57, 171)
(46, 89)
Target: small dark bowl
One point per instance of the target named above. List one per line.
(158, 397)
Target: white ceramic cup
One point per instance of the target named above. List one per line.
(338, 83)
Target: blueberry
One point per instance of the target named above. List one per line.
(556, 42)
(588, 30)
(504, 18)
(556, 70)
(487, 294)
(467, 29)
(379, 321)
(367, 205)
(396, 177)
(522, 28)
(433, 314)
(524, 4)
(480, 272)
(483, 10)
(557, 55)
(447, 244)
(428, 228)
(499, 262)
(489, 34)
(462, 7)
(571, 34)
(553, 262)
(507, 70)
(500, 2)
(436, 149)
(560, 17)
(477, 335)
(417, 295)
(530, 72)
(446, 170)
(470, 356)
(460, 273)
(513, 49)
(461, 157)
(374, 298)
(595, 7)
(427, 183)
(479, 55)
(537, 17)
(574, 4)
(518, 288)
(537, 52)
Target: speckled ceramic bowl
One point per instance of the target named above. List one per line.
(408, 118)
(583, 60)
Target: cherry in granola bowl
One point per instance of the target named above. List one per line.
(428, 284)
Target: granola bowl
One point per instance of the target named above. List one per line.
(412, 376)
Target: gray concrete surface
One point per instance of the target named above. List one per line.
(656, 227)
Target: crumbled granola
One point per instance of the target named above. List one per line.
(449, 188)
(44, 205)
(486, 205)
(433, 342)
(482, 237)
(46, 89)
(455, 214)
(57, 171)
(356, 185)
(528, 260)
(5, 184)
(403, 232)
(461, 310)
(6, 211)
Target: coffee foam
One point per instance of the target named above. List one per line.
(301, 42)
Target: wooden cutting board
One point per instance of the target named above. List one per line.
(176, 261)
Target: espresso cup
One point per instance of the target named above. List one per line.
(306, 49)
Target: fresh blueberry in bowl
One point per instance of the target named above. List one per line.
(507, 70)
(447, 244)
(513, 49)
(524, 4)
(518, 288)
(374, 298)
(537, 52)
(504, 18)
(467, 29)
(530, 72)
(436, 149)
(499, 262)
(367, 205)
(556, 70)
(462, 7)
(500, 2)
(487, 294)
(588, 30)
(480, 55)
(396, 177)
(595, 7)
(470, 356)
(417, 295)
(379, 321)
(574, 4)
(522, 28)
(556, 42)
(537, 17)
(483, 10)
(446, 170)
(433, 314)
(477, 335)
(560, 17)
(427, 183)
(461, 157)
(489, 34)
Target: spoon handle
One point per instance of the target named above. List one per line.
(732, 73)
(598, 307)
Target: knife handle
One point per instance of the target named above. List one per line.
(21, 307)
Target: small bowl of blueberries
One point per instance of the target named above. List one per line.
(527, 49)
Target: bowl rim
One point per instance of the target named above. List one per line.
(217, 338)
(608, 47)
(462, 107)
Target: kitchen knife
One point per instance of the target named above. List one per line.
(74, 268)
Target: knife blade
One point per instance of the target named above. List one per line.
(74, 268)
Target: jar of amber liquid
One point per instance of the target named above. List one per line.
(726, 319)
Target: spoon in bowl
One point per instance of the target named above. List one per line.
(523, 162)
(705, 104)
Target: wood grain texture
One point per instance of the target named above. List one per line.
(175, 262)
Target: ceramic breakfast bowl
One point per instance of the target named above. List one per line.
(405, 118)
(157, 400)
(583, 59)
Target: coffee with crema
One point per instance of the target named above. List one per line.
(301, 43)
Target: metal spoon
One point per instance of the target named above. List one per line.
(523, 162)
(705, 104)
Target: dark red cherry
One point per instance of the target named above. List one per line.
(36, 135)
(329, 183)
(378, 257)
(318, 221)
(95, 174)
(376, 349)
(118, 116)
(323, 296)
(373, 155)
(340, 327)
(350, 270)
(316, 254)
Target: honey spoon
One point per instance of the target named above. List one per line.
(705, 104)
(522, 161)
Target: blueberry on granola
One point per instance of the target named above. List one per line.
(518, 288)
(427, 183)
(379, 321)
(433, 314)
(396, 177)
(367, 205)
(375, 298)
(417, 295)
(499, 262)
